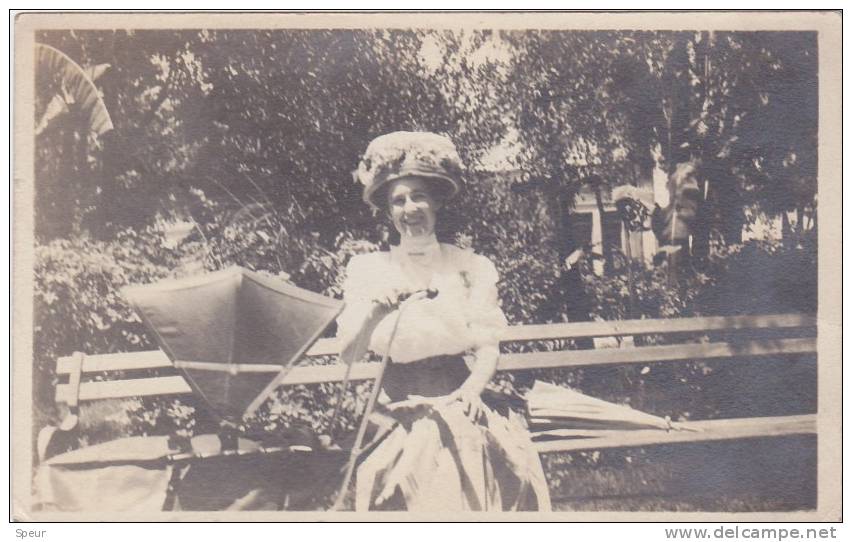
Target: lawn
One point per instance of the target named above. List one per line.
(754, 475)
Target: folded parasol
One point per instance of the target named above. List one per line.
(233, 333)
(554, 407)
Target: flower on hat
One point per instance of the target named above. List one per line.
(409, 154)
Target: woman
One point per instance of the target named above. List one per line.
(446, 450)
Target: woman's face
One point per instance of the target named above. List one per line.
(412, 207)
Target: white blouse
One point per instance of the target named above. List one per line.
(465, 314)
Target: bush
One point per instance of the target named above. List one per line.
(758, 277)
(78, 307)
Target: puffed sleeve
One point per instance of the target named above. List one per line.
(357, 297)
(486, 320)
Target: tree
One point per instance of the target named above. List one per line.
(69, 105)
(125, 168)
(250, 137)
(743, 106)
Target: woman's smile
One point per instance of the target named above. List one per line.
(415, 220)
(412, 207)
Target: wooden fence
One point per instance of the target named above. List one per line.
(731, 338)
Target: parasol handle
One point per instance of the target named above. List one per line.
(349, 362)
(371, 403)
(430, 294)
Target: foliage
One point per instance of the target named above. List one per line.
(73, 87)
(77, 298)
(250, 138)
(78, 305)
(623, 101)
(227, 115)
(764, 277)
(758, 277)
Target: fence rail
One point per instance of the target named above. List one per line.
(696, 431)
(78, 389)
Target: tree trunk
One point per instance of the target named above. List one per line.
(800, 220)
(703, 224)
(59, 182)
(729, 204)
(785, 226)
(628, 253)
(708, 168)
(570, 290)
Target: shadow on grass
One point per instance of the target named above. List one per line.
(772, 474)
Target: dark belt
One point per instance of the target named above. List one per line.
(429, 377)
(442, 375)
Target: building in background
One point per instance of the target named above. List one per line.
(593, 228)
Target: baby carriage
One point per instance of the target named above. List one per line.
(233, 335)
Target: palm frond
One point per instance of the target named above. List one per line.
(77, 88)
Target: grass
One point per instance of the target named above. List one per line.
(754, 475)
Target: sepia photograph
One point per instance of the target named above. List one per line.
(427, 266)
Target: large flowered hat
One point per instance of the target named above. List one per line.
(409, 154)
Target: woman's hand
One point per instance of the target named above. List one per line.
(472, 404)
(387, 299)
(394, 298)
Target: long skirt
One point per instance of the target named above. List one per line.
(436, 459)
